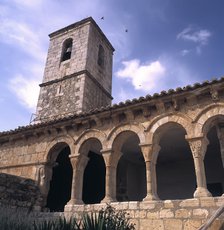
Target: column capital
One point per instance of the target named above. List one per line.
(110, 157)
(198, 146)
(150, 151)
(78, 160)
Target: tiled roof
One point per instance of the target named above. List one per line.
(134, 101)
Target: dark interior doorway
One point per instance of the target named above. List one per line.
(94, 179)
(213, 164)
(61, 182)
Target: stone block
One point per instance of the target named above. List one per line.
(152, 215)
(166, 213)
(140, 214)
(183, 213)
(219, 201)
(147, 205)
(207, 202)
(172, 224)
(200, 213)
(133, 205)
(168, 204)
(192, 224)
(146, 224)
(189, 203)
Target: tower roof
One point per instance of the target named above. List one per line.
(79, 23)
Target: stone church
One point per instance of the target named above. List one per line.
(159, 157)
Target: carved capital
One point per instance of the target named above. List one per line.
(150, 151)
(78, 161)
(198, 146)
(110, 157)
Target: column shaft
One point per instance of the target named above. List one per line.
(198, 147)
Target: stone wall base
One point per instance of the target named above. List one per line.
(187, 214)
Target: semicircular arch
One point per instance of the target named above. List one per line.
(206, 116)
(87, 135)
(138, 129)
(199, 118)
(179, 118)
(57, 144)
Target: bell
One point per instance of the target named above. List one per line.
(69, 49)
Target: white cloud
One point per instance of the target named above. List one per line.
(20, 34)
(164, 74)
(142, 76)
(26, 90)
(185, 52)
(200, 36)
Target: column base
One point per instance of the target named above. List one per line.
(202, 192)
(108, 200)
(75, 201)
(150, 197)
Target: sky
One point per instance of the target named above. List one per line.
(159, 45)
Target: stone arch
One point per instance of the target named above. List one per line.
(206, 115)
(87, 135)
(138, 129)
(159, 121)
(64, 140)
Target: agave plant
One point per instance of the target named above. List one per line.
(107, 219)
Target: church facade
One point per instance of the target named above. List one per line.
(159, 157)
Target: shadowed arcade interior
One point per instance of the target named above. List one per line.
(131, 171)
(94, 174)
(61, 182)
(175, 166)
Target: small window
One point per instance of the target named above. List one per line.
(101, 56)
(66, 50)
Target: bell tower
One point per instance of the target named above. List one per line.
(78, 71)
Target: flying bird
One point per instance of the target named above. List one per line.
(126, 30)
(102, 18)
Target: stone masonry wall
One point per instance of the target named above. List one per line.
(17, 192)
(163, 215)
(94, 96)
(61, 98)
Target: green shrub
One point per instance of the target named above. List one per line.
(106, 219)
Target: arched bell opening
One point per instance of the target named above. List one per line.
(214, 156)
(131, 170)
(175, 166)
(94, 174)
(66, 49)
(61, 180)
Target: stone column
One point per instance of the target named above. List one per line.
(110, 159)
(198, 148)
(79, 163)
(220, 133)
(149, 151)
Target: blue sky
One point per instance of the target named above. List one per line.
(169, 43)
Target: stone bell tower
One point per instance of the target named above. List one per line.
(78, 71)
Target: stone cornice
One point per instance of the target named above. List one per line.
(75, 75)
